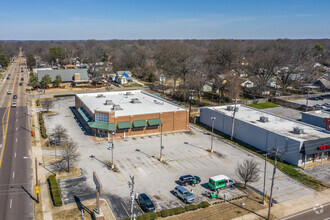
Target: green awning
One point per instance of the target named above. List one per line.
(154, 122)
(139, 123)
(124, 125)
(102, 125)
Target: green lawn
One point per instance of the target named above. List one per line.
(263, 105)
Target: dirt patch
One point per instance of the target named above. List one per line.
(228, 210)
(74, 214)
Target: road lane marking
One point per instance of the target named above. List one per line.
(11, 202)
(16, 128)
(16, 139)
(4, 131)
(15, 154)
(13, 175)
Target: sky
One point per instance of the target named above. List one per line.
(164, 19)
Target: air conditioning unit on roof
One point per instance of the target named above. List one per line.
(298, 130)
(108, 102)
(116, 107)
(263, 119)
(230, 108)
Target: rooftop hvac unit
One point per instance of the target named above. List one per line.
(135, 100)
(298, 130)
(263, 119)
(108, 102)
(116, 107)
(158, 102)
(99, 96)
(128, 93)
(230, 108)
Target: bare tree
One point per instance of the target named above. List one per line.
(248, 171)
(47, 104)
(69, 153)
(59, 134)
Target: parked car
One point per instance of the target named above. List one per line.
(145, 203)
(189, 179)
(184, 194)
(13, 104)
(14, 96)
(22, 79)
(8, 77)
(20, 84)
(9, 92)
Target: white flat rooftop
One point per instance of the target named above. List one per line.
(148, 103)
(319, 113)
(276, 124)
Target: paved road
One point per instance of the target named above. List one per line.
(321, 212)
(16, 170)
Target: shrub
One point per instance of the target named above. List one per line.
(64, 95)
(54, 190)
(191, 207)
(154, 215)
(205, 204)
(165, 213)
(140, 217)
(146, 216)
(42, 127)
(170, 212)
(158, 214)
(179, 210)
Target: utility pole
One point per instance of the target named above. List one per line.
(213, 119)
(233, 123)
(131, 186)
(112, 148)
(264, 196)
(161, 143)
(277, 155)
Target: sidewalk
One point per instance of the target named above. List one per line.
(293, 206)
(37, 153)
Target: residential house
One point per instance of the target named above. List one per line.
(323, 84)
(70, 66)
(247, 84)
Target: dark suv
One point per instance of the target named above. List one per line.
(189, 179)
(145, 203)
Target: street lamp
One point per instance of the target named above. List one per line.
(161, 142)
(213, 119)
(112, 147)
(191, 97)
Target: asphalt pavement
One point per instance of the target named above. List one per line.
(16, 200)
(319, 212)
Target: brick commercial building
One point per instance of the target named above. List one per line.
(130, 113)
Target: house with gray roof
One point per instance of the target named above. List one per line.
(76, 76)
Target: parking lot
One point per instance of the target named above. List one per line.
(184, 153)
(323, 103)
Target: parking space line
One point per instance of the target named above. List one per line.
(202, 162)
(188, 160)
(182, 165)
(139, 206)
(151, 165)
(129, 167)
(181, 202)
(125, 209)
(169, 205)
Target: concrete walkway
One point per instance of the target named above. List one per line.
(293, 206)
(37, 153)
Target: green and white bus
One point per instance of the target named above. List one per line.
(220, 182)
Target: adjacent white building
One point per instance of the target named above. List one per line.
(300, 142)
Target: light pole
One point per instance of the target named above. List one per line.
(161, 142)
(112, 147)
(233, 121)
(213, 119)
(191, 97)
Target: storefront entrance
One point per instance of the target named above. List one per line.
(316, 151)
